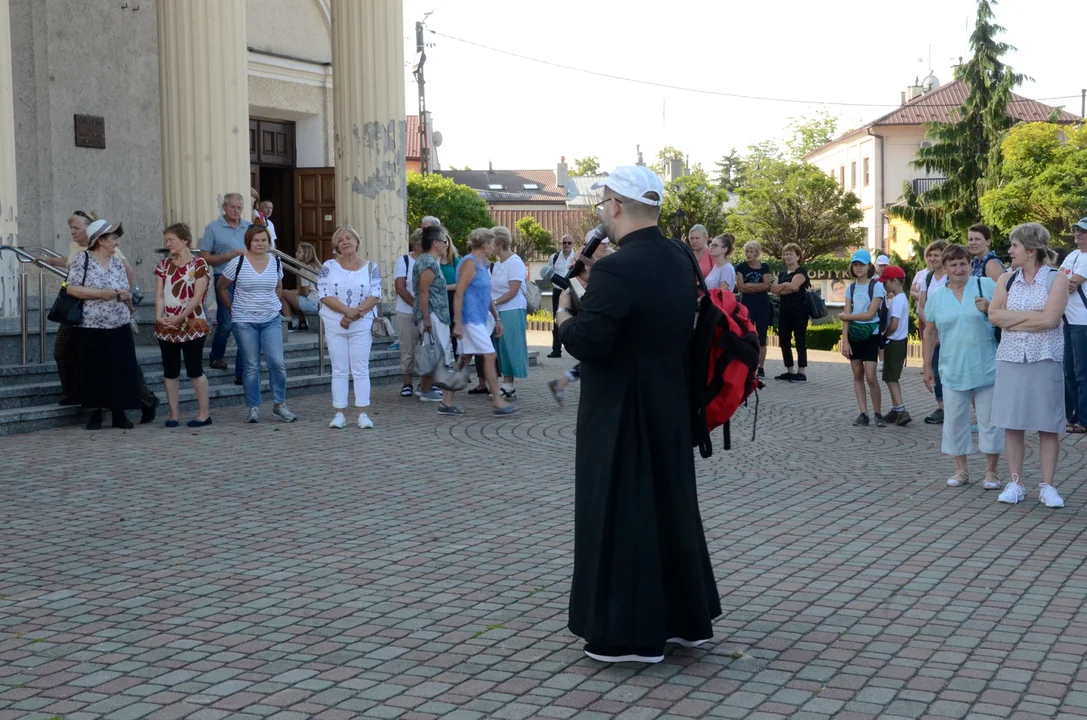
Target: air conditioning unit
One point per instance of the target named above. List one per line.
(927, 143)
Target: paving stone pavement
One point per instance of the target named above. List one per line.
(421, 570)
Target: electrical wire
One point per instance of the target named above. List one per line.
(703, 91)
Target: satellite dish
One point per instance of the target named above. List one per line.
(436, 138)
(930, 83)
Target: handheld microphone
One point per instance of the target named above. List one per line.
(596, 236)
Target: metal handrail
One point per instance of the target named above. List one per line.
(306, 272)
(24, 311)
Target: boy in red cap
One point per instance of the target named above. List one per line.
(898, 328)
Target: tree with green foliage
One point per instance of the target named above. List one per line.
(530, 239)
(787, 202)
(459, 207)
(765, 153)
(806, 134)
(701, 200)
(728, 169)
(1043, 178)
(966, 149)
(586, 166)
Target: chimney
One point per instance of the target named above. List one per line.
(674, 169)
(562, 173)
(903, 97)
(915, 90)
(490, 166)
(640, 162)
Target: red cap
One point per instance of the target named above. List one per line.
(892, 272)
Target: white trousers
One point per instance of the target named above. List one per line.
(349, 351)
(956, 431)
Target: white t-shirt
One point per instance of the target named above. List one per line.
(1075, 264)
(503, 273)
(722, 274)
(562, 264)
(351, 287)
(255, 299)
(400, 270)
(899, 307)
(937, 282)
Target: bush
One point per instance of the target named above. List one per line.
(542, 315)
(825, 336)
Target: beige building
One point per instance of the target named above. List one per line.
(147, 111)
(874, 161)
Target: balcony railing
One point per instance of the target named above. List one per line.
(923, 185)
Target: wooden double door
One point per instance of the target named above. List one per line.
(304, 199)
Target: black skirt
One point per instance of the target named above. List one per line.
(107, 373)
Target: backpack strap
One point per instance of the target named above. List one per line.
(238, 272)
(1011, 281)
(928, 279)
(86, 262)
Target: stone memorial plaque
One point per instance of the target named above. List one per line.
(90, 131)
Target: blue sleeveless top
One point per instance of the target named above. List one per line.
(477, 298)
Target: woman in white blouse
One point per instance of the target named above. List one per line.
(512, 346)
(349, 288)
(1028, 396)
(257, 279)
(723, 274)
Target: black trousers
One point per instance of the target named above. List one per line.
(172, 352)
(66, 357)
(790, 326)
(556, 343)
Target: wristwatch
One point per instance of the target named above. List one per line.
(563, 310)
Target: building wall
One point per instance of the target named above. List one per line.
(856, 150)
(68, 60)
(294, 28)
(309, 106)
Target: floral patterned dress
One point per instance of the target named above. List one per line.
(179, 287)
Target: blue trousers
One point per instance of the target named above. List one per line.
(254, 340)
(1075, 373)
(223, 327)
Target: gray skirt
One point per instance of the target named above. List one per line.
(1029, 396)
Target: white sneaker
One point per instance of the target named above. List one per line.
(254, 415)
(1048, 495)
(688, 643)
(338, 422)
(649, 659)
(958, 480)
(365, 422)
(1013, 492)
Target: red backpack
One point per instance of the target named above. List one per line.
(724, 358)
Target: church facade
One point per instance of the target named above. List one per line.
(147, 112)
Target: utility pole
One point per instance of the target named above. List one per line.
(1083, 103)
(424, 136)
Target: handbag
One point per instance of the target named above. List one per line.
(453, 378)
(66, 309)
(859, 332)
(428, 354)
(816, 307)
(533, 296)
(382, 327)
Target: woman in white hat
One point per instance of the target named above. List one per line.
(107, 373)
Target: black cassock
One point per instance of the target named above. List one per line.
(642, 571)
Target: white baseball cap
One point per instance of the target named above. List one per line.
(883, 260)
(634, 181)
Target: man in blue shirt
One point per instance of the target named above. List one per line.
(223, 241)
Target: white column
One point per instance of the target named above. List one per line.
(9, 201)
(203, 86)
(369, 127)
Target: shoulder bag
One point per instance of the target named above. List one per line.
(66, 309)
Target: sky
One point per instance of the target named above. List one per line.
(519, 114)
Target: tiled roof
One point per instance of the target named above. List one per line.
(412, 145)
(557, 222)
(508, 186)
(579, 190)
(939, 104)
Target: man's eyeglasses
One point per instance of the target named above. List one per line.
(567, 243)
(599, 205)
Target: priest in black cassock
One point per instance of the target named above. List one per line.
(642, 573)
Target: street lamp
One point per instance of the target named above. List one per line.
(677, 223)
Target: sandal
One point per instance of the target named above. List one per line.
(407, 391)
(958, 479)
(1075, 429)
(508, 410)
(477, 391)
(444, 409)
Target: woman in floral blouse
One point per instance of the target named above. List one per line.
(180, 322)
(107, 371)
